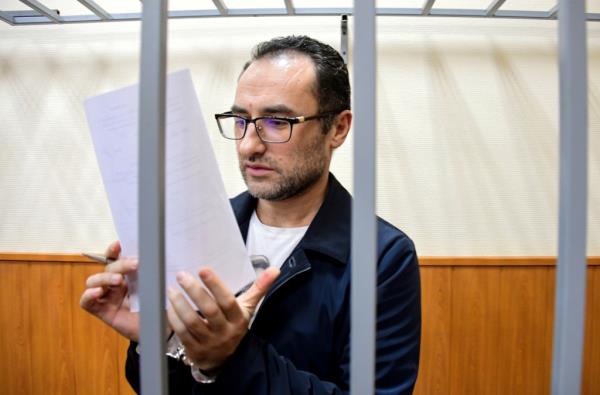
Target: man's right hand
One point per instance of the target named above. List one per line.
(106, 295)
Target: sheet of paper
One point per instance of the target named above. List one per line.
(201, 229)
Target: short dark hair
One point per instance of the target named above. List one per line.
(332, 88)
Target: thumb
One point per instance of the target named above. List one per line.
(254, 294)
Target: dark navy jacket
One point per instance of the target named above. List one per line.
(299, 342)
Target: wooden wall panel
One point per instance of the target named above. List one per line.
(474, 331)
(15, 329)
(487, 328)
(525, 330)
(591, 366)
(51, 301)
(434, 370)
(96, 375)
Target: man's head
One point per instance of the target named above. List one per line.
(332, 84)
(291, 77)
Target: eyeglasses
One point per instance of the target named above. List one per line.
(269, 129)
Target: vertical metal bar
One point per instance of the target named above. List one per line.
(151, 197)
(364, 264)
(571, 269)
(344, 38)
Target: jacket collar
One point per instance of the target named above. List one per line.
(328, 233)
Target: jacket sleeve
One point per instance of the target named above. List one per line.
(398, 318)
(257, 368)
(180, 379)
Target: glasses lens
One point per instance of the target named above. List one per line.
(232, 127)
(273, 130)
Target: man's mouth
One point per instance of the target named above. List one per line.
(257, 170)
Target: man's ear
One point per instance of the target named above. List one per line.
(340, 129)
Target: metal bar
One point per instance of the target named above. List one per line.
(151, 192)
(344, 38)
(6, 18)
(96, 9)
(553, 13)
(364, 261)
(42, 9)
(289, 6)
(31, 19)
(495, 6)
(221, 7)
(427, 7)
(569, 316)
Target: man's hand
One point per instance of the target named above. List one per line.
(106, 296)
(209, 339)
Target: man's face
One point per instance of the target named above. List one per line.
(280, 86)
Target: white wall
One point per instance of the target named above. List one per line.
(467, 137)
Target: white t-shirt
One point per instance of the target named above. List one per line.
(275, 243)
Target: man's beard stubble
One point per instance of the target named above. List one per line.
(296, 180)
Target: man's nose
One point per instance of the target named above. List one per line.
(251, 144)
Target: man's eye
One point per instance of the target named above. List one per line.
(239, 122)
(275, 123)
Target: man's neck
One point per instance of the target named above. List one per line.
(298, 210)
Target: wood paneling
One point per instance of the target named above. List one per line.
(487, 328)
(591, 365)
(51, 313)
(15, 329)
(434, 372)
(474, 331)
(524, 328)
(93, 375)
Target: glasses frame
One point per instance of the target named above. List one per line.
(291, 120)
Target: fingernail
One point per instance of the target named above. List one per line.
(181, 277)
(115, 279)
(205, 275)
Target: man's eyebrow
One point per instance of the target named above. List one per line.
(276, 109)
(238, 110)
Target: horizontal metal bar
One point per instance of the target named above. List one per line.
(427, 7)
(6, 18)
(42, 9)
(553, 13)
(31, 19)
(491, 10)
(289, 6)
(96, 9)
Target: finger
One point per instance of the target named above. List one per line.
(190, 343)
(202, 299)
(90, 296)
(191, 321)
(114, 250)
(222, 295)
(123, 266)
(254, 294)
(104, 280)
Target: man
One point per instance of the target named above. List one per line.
(291, 111)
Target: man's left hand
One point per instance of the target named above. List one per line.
(209, 339)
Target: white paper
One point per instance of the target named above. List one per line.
(201, 229)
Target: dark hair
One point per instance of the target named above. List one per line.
(332, 88)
